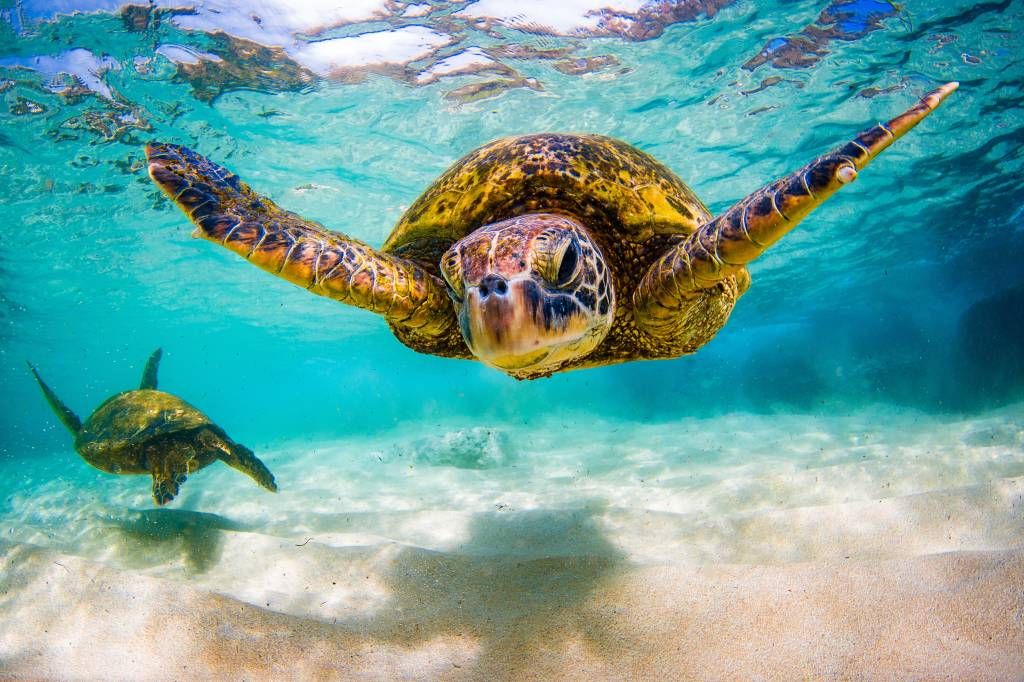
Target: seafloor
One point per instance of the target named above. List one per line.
(435, 519)
(746, 545)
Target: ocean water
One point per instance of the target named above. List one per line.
(832, 487)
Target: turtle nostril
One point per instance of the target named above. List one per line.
(493, 284)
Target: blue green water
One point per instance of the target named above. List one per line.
(861, 304)
(902, 296)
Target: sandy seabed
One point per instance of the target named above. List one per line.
(875, 545)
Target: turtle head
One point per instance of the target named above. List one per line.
(532, 293)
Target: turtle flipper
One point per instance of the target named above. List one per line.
(239, 457)
(243, 459)
(152, 367)
(226, 211)
(63, 412)
(716, 253)
(167, 480)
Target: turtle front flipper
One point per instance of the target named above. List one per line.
(226, 211)
(68, 418)
(243, 459)
(149, 380)
(714, 256)
(239, 457)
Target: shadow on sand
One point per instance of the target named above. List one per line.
(519, 588)
(157, 536)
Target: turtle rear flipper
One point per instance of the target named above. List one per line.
(226, 211)
(152, 367)
(63, 412)
(167, 482)
(170, 460)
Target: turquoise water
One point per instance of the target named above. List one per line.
(886, 329)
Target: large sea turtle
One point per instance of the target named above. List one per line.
(534, 254)
(147, 431)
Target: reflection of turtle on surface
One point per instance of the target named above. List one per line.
(147, 431)
(534, 254)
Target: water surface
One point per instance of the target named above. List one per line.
(869, 381)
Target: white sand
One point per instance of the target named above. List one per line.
(743, 546)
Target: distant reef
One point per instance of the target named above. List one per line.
(988, 351)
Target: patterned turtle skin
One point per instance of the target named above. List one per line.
(147, 431)
(535, 254)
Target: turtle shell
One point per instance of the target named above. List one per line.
(623, 196)
(130, 419)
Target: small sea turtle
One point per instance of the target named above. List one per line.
(147, 431)
(535, 254)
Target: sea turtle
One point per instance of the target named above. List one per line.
(534, 254)
(147, 431)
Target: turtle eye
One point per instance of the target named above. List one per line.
(452, 274)
(570, 263)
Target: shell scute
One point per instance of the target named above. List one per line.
(134, 417)
(621, 193)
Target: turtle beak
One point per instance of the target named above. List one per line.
(514, 324)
